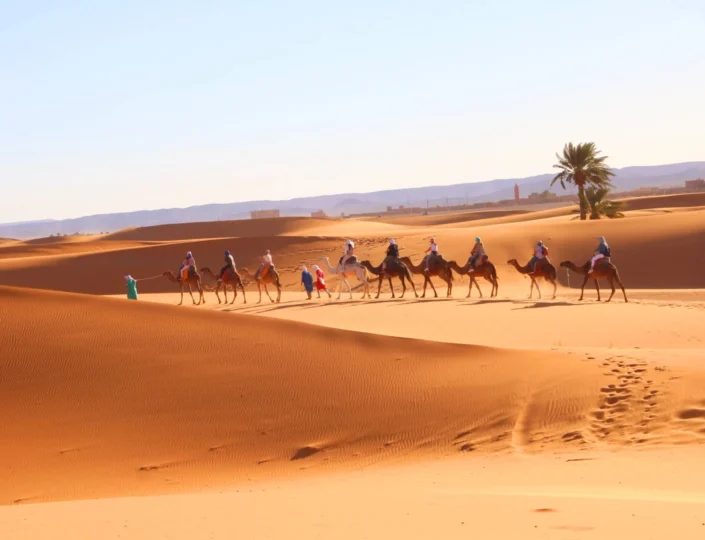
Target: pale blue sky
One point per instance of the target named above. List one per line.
(118, 106)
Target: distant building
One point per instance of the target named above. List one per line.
(318, 214)
(695, 184)
(516, 192)
(263, 214)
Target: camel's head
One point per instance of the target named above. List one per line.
(512, 261)
(565, 264)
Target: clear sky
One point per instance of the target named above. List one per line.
(118, 106)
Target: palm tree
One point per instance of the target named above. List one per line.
(599, 206)
(582, 166)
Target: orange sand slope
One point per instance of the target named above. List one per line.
(107, 397)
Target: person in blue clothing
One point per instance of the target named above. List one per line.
(131, 288)
(307, 281)
(601, 252)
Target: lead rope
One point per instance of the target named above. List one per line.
(148, 278)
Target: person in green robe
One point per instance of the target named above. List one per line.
(131, 288)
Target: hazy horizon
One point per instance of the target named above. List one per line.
(133, 107)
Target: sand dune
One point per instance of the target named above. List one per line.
(114, 398)
(680, 200)
(636, 244)
(248, 228)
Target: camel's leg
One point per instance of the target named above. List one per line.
(190, 291)
(259, 289)
(340, 286)
(428, 278)
(267, 292)
(476, 285)
(619, 282)
(536, 284)
(582, 288)
(495, 288)
(182, 294)
(403, 285)
(597, 286)
(379, 286)
(242, 288)
(425, 283)
(391, 286)
(225, 291)
(555, 288)
(279, 292)
(349, 288)
(202, 299)
(531, 290)
(411, 282)
(470, 287)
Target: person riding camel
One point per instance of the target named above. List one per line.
(478, 253)
(540, 253)
(189, 265)
(348, 254)
(431, 253)
(229, 263)
(265, 264)
(602, 251)
(392, 253)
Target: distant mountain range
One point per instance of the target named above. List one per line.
(626, 179)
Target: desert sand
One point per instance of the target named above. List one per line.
(416, 418)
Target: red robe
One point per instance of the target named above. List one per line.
(320, 280)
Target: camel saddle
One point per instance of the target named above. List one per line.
(191, 273)
(475, 263)
(351, 260)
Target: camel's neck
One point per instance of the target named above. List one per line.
(576, 269)
(460, 269)
(371, 268)
(522, 269)
(329, 268)
(415, 269)
(171, 277)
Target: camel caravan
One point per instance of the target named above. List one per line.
(477, 267)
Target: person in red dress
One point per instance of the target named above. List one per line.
(320, 281)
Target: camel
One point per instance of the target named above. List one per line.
(603, 269)
(272, 277)
(484, 270)
(395, 268)
(437, 267)
(193, 279)
(232, 278)
(542, 269)
(352, 268)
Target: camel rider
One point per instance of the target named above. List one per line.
(392, 253)
(265, 265)
(601, 252)
(540, 252)
(348, 253)
(229, 263)
(478, 253)
(189, 265)
(431, 253)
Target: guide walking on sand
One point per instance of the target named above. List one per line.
(131, 288)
